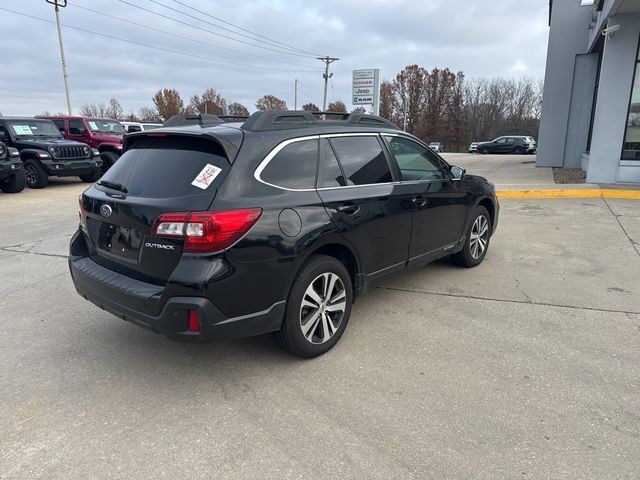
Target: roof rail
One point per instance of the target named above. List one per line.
(233, 118)
(279, 120)
(202, 119)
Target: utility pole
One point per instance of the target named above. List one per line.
(326, 76)
(63, 4)
(295, 94)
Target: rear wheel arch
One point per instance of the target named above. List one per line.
(343, 254)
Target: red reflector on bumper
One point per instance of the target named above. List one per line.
(194, 321)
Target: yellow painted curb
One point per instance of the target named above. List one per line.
(570, 193)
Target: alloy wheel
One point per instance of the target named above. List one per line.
(479, 236)
(32, 174)
(323, 307)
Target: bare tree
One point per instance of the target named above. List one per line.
(93, 110)
(114, 110)
(312, 107)
(271, 102)
(147, 114)
(359, 109)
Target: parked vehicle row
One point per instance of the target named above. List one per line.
(12, 176)
(103, 134)
(44, 152)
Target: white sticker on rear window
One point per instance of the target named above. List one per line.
(22, 129)
(206, 176)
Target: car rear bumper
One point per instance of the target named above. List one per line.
(147, 306)
(68, 168)
(9, 167)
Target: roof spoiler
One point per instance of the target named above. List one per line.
(202, 119)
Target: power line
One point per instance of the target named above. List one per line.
(209, 31)
(228, 30)
(246, 30)
(154, 46)
(185, 38)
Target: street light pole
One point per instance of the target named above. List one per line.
(63, 4)
(326, 76)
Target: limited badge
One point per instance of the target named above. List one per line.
(206, 176)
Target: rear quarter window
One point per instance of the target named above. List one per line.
(294, 166)
(169, 167)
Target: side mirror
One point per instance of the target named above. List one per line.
(457, 173)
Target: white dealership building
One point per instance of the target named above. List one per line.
(591, 104)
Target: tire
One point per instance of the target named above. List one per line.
(15, 183)
(308, 331)
(485, 150)
(470, 256)
(91, 177)
(108, 159)
(37, 177)
(518, 151)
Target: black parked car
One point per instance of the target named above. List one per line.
(510, 144)
(217, 231)
(45, 152)
(12, 176)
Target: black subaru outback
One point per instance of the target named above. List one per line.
(12, 176)
(224, 230)
(45, 152)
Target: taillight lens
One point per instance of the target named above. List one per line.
(206, 231)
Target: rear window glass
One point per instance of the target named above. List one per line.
(294, 166)
(169, 167)
(362, 159)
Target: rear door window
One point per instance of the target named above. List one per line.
(362, 159)
(294, 167)
(169, 167)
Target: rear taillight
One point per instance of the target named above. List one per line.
(206, 231)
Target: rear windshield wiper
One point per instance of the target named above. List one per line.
(113, 185)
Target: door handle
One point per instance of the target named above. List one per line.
(349, 209)
(419, 201)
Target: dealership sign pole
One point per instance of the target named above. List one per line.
(366, 88)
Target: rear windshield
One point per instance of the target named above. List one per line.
(169, 167)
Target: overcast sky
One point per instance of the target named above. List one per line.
(505, 38)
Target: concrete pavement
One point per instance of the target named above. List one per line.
(525, 367)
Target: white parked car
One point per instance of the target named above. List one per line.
(131, 127)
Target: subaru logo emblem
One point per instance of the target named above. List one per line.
(106, 210)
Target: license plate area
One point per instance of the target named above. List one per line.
(120, 240)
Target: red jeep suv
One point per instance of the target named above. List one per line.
(103, 134)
